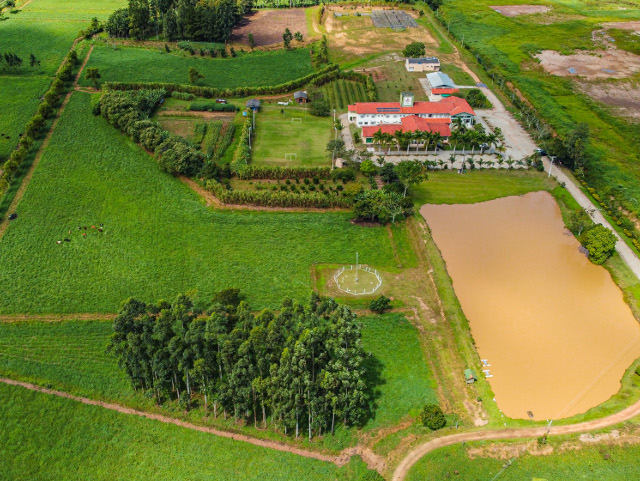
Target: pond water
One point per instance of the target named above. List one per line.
(553, 327)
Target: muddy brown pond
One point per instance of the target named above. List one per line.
(553, 328)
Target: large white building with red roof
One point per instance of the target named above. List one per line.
(410, 116)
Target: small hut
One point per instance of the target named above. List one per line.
(253, 104)
(470, 376)
(301, 97)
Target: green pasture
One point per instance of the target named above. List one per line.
(158, 239)
(78, 11)
(277, 134)
(449, 187)
(598, 462)
(50, 438)
(258, 69)
(510, 44)
(22, 88)
(70, 356)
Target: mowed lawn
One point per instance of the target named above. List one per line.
(71, 357)
(449, 187)
(598, 462)
(277, 135)
(50, 438)
(159, 239)
(258, 69)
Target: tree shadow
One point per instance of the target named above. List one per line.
(373, 379)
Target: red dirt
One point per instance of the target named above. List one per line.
(267, 26)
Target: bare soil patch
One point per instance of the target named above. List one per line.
(225, 116)
(623, 97)
(608, 63)
(267, 26)
(515, 10)
(357, 35)
(182, 127)
(623, 25)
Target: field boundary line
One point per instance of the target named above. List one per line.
(514, 433)
(339, 460)
(85, 316)
(45, 143)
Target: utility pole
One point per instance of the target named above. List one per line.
(254, 118)
(250, 128)
(356, 267)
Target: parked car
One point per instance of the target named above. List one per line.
(541, 152)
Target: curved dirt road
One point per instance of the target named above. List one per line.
(414, 456)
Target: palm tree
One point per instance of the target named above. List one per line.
(454, 139)
(480, 163)
(387, 141)
(520, 163)
(400, 138)
(440, 163)
(452, 160)
(378, 138)
(436, 138)
(489, 163)
(500, 160)
(510, 162)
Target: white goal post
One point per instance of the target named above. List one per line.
(292, 156)
(296, 119)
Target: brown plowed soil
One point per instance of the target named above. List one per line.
(267, 26)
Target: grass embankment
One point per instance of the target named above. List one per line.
(278, 134)
(510, 43)
(50, 438)
(257, 69)
(159, 239)
(606, 462)
(70, 356)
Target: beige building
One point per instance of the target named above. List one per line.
(423, 64)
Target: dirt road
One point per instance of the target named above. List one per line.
(414, 456)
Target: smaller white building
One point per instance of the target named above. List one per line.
(422, 64)
(440, 80)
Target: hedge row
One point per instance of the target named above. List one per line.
(211, 107)
(280, 173)
(129, 111)
(242, 155)
(35, 127)
(265, 198)
(212, 92)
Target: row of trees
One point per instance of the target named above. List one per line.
(35, 127)
(279, 173)
(474, 138)
(207, 20)
(302, 367)
(129, 111)
(10, 61)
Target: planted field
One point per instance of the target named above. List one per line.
(51, 438)
(449, 187)
(267, 26)
(341, 93)
(293, 132)
(602, 462)
(129, 64)
(71, 357)
(158, 237)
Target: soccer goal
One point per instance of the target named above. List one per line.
(292, 156)
(296, 119)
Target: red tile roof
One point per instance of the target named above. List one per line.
(410, 124)
(449, 105)
(444, 91)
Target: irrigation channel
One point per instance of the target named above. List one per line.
(552, 329)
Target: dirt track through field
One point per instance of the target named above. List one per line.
(414, 456)
(27, 178)
(338, 460)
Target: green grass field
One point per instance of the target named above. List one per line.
(277, 135)
(159, 238)
(132, 64)
(510, 44)
(586, 463)
(449, 187)
(71, 357)
(51, 438)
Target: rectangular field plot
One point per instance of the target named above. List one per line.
(158, 237)
(394, 19)
(51, 438)
(150, 65)
(294, 132)
(71, 357)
